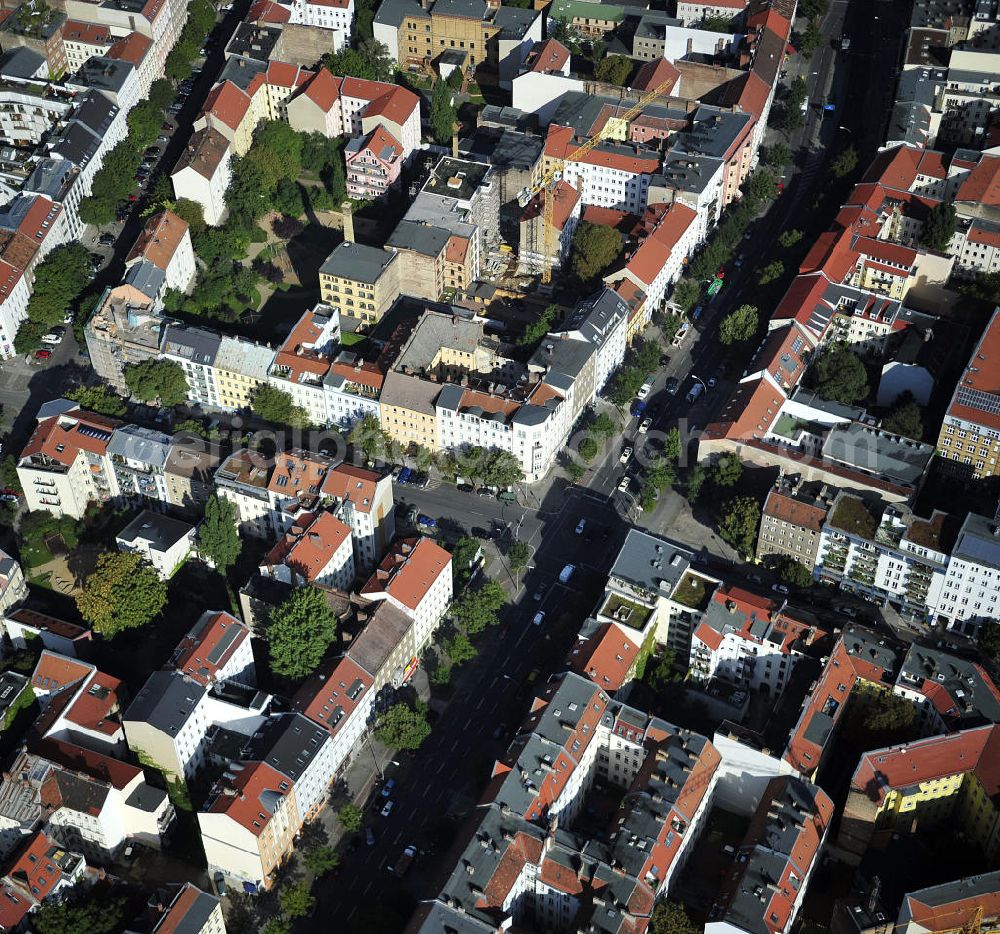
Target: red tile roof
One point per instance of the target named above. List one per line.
(267, 11)
(934, 911)
(896, 167)
(981, 235)
(194, 655)
(565, 197)
(330, 696)
(386, 100)
(204, 152)
(33, 871)
(176, 918)
(96, 706)
(409, 570)
(323, 90)
(45, 623)
(61, 438)
(307, 551)
(228, 104)
(131, 48)
(56, 672)
(14, 906)
(362, 373)
(297, 353)
(548, 56)
(983, 183)
(102, 768)
(160, 239)
(559, 144)
(250, 807)
(982, 375)
(606, 657)
(789, 509)
(86, 33)
(353, 483)
(653, 74)
(456, 250)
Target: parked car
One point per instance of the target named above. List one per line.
(566, 573)
(624, 484)
(404, 475)
(625, 455)
(369, 836)
(485, 491)
(402, 865)
(386, 809)
(167, 127)
(539, 592)
(779, 588)
(644, 425)
(644, 390)
(712, 382)
(696, 390)
(580, 526)
(388, 787)
(426, 520)
(220, 884)
(539, 618)
(672, 385)
(107, 239)
(466, 488)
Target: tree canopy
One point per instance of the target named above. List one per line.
(477, 608)
(614, 69)
(671, 918)
(92, 912)
(218, 538)
(535, 331)
(739, 325)
(794, 574)
(845, 163)
(593, 250)
(443, 114)
(350, 818)
(402, 727)
(727, 470)
(276, 406)
(840, 376)
(299, 631)
(122, 592)
(296, 900)
(370, 60)
(99, 398)
(906, 418)
(320, 860)
(159, 381)
(939, 227)
(60, 279)
(738, 520)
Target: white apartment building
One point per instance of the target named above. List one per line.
(15, 293)
(161, 540)
(202, 173)
(749, 641)
(335, 15)
(65, 464)
(339, 697)
(104, 802)
(303, 361)
(691, 12)
(970, 592)
(363, 500)
(166, 243)
(351, 388)
(169, 718)
(242, 479)
(28, 112)
(416, 577)
(301, 751)
(600, 321)
(883, 551)
(218, 648)
(320, 552)
(249, 825)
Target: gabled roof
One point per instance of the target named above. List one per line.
(330, 696)
(160, 239)
(653, 74)
(982, 186)
(209, 646)
(227, 103)
(605, 657)
(409, 570)
(548, 56)
(258, 794)
(307, 551)
(356, 484)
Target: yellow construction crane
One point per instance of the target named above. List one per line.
(974, 926)
(546, 187)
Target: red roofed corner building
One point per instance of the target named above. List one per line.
(313, 551)
(65, 465)
(249, 824)
(969, 443)
(416, 577)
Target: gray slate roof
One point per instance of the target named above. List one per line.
(357, 261)
(162, 532)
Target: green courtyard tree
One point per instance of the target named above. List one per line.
(218, 538)
(535, 331)
(122, 592)
(157, 381)
(778, 155)
(727, 470)
(939, 227)
(672, 445)
(443, 114)
(604, 425)
(368, 437)
(463, 553)
(686, 293)
(296, 900)
(98, 399)
(614, 69)
(738, 519)
(60, 279)
(840, 376)
(671, 918)
(92, 913)
(906, 418)
(402, 727)
(739, 325)
(299, 631)
(693, 483)
(593, 250)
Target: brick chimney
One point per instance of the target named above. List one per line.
(347, 213)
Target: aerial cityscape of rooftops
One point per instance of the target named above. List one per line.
(479, 466)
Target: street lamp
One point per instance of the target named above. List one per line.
(378, 766)
(704, 385)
